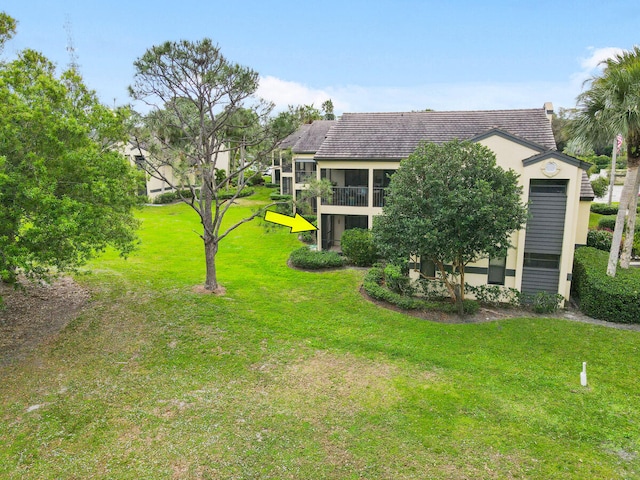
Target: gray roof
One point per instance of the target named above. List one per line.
(395, 136)
(313, 136)
(586, 191)
(290, 141)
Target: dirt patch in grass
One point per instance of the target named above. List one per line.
(35, 314)
(220, 291)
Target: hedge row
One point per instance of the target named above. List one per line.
(169, 197)
(604, 209)
(315, 260)
(373, 285)
(615, 299)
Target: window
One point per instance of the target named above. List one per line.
(497, 269)
(542, 260)
(356, 221)
(427, 268)
(286, 186)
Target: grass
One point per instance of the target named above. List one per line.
(294, 375)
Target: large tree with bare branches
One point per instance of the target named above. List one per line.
(203, 108)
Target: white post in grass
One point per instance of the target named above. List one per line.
(583, 375)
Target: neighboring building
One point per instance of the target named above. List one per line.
(155, 186)
(362, 150)
(293, 170)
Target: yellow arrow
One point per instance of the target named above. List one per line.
(297, 223)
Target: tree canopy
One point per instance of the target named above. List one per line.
(451, 204)
(204, 109)
(611, 106)
(65, 191)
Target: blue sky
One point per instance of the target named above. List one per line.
(365, 55)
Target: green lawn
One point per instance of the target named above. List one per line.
(294, 375)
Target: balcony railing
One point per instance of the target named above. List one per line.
(286, 167)
(349, 196)
(379, 196)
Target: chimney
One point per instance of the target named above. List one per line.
(548, 109)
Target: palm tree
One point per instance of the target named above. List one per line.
(609, 107)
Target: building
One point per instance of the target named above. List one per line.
(156, 185)
(361, 150)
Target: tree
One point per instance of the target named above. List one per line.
(611, 106)
(65, 192)
(203, 107)
(327, 108)
(450, 204)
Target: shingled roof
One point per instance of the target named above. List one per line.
(395, 136)
(308, 137)
(312, 137)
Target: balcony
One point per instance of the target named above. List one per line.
(303, 177)
(286, 167)
(349, 197)
(379, 196)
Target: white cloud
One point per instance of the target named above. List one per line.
(284, 93)
(440, 96)
(598, 55)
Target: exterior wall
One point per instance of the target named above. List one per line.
(584, 211)
(155, 186)
(509, 155)
(337, 168)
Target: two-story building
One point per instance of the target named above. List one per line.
(361, 151)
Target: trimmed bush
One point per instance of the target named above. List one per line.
(276, 197)
(600, 239)
(373, 285)
(604, 209)
(167, 197)
(272, 185)
(357, 245)
(615, 299)
(607, 222)
(315, 260)
(226, 194)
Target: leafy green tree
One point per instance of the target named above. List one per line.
(611, 106)
(205, 107)
(450, 204)
(327, 108)
(65, 192)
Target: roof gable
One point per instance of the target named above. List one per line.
(556, 156)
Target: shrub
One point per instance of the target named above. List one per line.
(315, 260)
(607, 222)
(495, 295)
(357, 245)
(616, 299)
(373, 285)
(600, 186)
(166, 197)
(600, 239)
(398, 281)
(272, 185)
(277, 197)
(226, 194)
(604, 209)
(542, 302)
(255, 179)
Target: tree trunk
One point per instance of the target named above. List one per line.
(627, 192)
(210, 250)
(625, 257)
